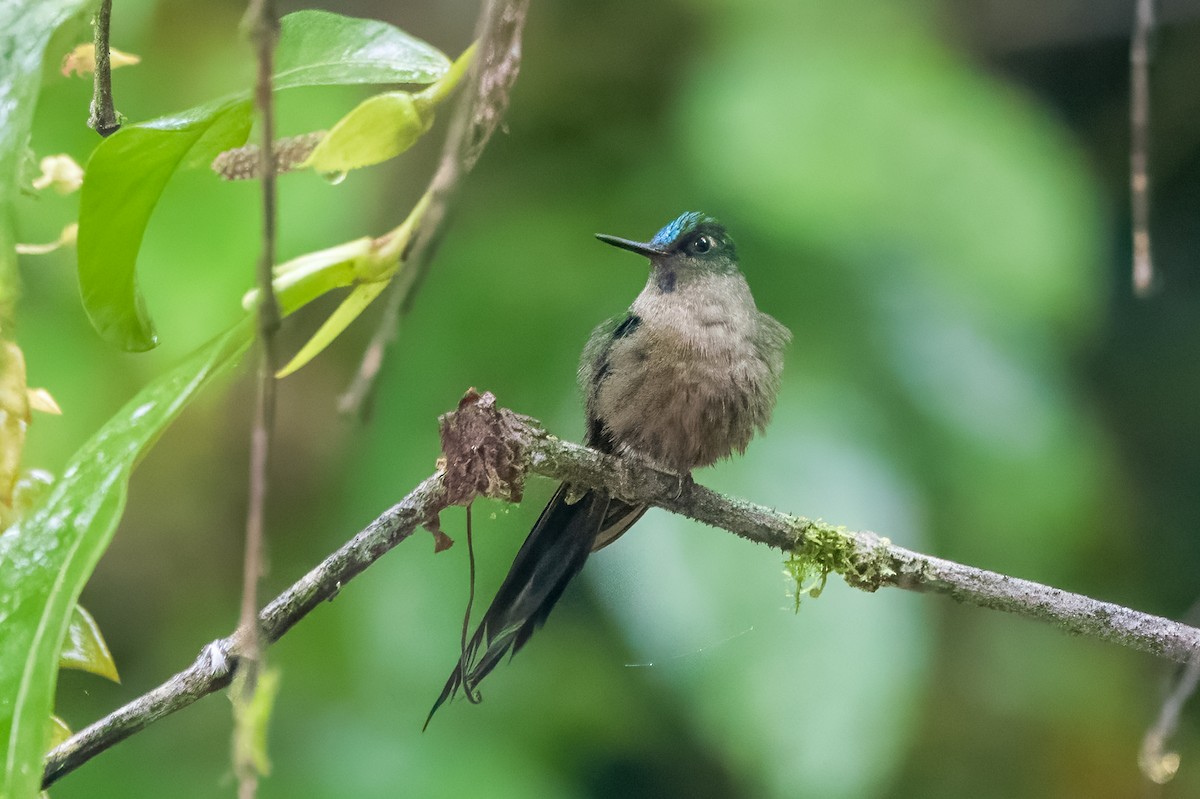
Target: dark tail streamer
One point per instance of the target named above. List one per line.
(555, 551)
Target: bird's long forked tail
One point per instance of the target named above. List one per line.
(551, 556)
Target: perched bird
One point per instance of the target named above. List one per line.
(682, 379)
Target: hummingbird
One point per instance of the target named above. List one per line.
(682, 379)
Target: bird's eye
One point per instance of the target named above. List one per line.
(702, 245)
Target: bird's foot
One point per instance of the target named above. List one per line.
(684, 481)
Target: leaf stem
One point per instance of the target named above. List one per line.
(102, 116)
(436, 92)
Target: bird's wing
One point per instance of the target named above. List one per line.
(594, 370)
(620, 517)
(556, 548)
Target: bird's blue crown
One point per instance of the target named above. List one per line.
(686, 224)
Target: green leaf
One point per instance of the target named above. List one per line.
(85, 648)
(372, 264)
(125, 177)
(383, 126)
(46, 558)
(59, 732)
(379, 128)
(318, 48)
(25, 30)
(127, 171)
(355, 303)
(301, 280)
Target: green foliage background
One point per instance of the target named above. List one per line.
(931, 196)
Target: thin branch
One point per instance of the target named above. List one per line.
(102, 116)
(1156, 762)
(1139, 146)
(476, 118)
(263, 24)
(213, 669)
(489, 451)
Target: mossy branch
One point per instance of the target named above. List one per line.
(489, 451)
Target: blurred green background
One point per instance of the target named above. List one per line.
(932, 196)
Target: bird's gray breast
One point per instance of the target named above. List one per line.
(686, 378)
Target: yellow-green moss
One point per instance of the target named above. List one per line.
(827, 549)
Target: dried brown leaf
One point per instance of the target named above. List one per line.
(482, 448)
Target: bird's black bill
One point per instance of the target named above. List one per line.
(640, 247)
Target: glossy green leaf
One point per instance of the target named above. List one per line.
(127, 171)
(46, 558)
(379, 128)
(383, 126)
(25, 30)
(318, 48)
(125, 177)
(85, 648)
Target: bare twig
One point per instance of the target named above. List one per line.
(1139, 146)
(263, 24)
(493, 454)
(476, 118)
(1158, 764)
(102, 116)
